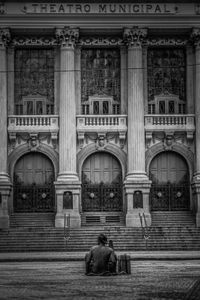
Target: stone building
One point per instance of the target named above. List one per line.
(99, 110)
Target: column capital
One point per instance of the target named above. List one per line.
(134, 36)
(67, 37)
(195, 36)
(5, 37)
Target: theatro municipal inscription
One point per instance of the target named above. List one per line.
(100, 8)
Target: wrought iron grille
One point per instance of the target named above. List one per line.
(101, 197)
(34, 198)
(169, 196)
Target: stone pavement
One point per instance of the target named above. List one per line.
(78, 256)
(149, 280)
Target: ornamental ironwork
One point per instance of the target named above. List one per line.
(34, 198)
(166, 72)
(100, 73)
(165, 197)
(101, 197)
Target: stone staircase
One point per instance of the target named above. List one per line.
(172, 218)
(172, 234)
(32, 220)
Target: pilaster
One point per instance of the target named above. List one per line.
(67, 180)
(5, 185)
(136, 182)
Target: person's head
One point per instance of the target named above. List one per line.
(102, 239)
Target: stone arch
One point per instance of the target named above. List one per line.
(179, 149)
(119, 154)
(24, 149)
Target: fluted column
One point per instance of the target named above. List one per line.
(67, 133)
(196, 179)
(136, 179)
(67, 180)
(5, 185)
(136, 137)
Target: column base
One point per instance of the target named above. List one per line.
(133, 219)
(136, 177)
(4, 177)
(67, 177)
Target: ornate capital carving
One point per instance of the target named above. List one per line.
(134, 36)
(67, 37)
(195, 36)
(4, 37)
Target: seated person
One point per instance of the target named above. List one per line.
(101, 259)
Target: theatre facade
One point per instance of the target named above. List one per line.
(99, 110)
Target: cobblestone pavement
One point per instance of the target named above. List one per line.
(66, 280)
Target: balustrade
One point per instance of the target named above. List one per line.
(30, 122)
(176, 121)
(101, 120)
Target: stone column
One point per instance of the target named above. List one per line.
(136, 180)
(5, 185)
(196, 177)
(67, 180)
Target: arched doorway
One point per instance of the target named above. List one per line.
(170, 182)
(33, 189)
(101, 183)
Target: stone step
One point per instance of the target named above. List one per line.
(52, 239)
(32, 220)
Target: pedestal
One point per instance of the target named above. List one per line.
(137, 202)
(68, 202)
(196, 198)
(5, 188)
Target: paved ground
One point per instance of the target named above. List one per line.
(150, 279)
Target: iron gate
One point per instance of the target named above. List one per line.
(34, 198)
(170, 196)
(101, 197)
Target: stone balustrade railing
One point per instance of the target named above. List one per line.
(26, 123)
(176, 122)
(103, 122)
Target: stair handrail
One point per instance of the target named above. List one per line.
(145, 228)
(66, 227)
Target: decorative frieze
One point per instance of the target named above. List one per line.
(5, 37)
(100, 41)
(134, 36)
(152, 42)
(67, 37)
(34, 41)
